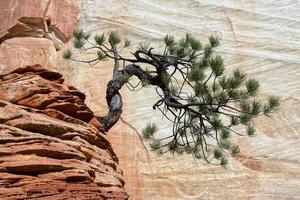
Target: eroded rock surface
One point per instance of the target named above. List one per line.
(24, 51)
(258, 37)
(37, 18)
(47, 148)
(32, 31)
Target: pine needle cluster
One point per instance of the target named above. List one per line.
(204, 104)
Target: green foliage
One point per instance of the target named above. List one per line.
(200, 89)
(169, 40)
(101, 55)
(204, 105)
(145, 83)
(239, 75)
(100, 39)
(252, 86)
(218, 154)
(166, 78)
(250, 130)
(225, 134)
(189, 149)
(217, 65)
(87, 36)
(195, 44)
(181, 51)
(149, 130)
(273, 103)
(125, 77)
(245, 119)
(256, 107)
(185, 47)
(224, 161)
(223, 82)
(78, 43)
(246, 107)
(67, 54)
(185, 41)
(127, 43)
(80, 38)
(198, 154)
(234, 120)
(235, 149)
(196, 74)
(221, 97)
(208, 50)
(173, 147)
(114, 38)
(237, 79)
(216, 123)
(214, 41)
(155, 145)
(174, 90)
(225, 144)
(78, 33)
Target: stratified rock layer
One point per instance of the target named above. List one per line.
(32, 31)
(47, 148)
(261, 38)
(28, 17)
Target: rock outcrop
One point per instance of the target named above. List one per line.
(32, 31)
(48, 149)
(25, 18)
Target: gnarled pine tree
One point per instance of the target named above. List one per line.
(202, 103)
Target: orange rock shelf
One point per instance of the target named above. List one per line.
(48, 149)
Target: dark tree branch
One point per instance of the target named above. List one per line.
(196, 103)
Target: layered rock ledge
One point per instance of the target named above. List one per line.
(32, 32)
(49, 147)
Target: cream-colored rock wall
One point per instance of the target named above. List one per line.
(260, 37)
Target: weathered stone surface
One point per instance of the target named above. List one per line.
(258, 37)
(24, 51)
(41, 89)
(33, 30)
(47, 149)
(28, 17)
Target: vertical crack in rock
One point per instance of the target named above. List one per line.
(138, 134)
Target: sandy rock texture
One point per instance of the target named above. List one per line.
(32, 31)
(47, 148)
(259, 37)
(28, 17)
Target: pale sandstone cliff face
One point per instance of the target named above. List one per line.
(48, 149)
(259, 37)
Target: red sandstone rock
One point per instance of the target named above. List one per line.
(22, 17)
(35, 87)
(47, 149)
(24, 51)
(32, 31)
